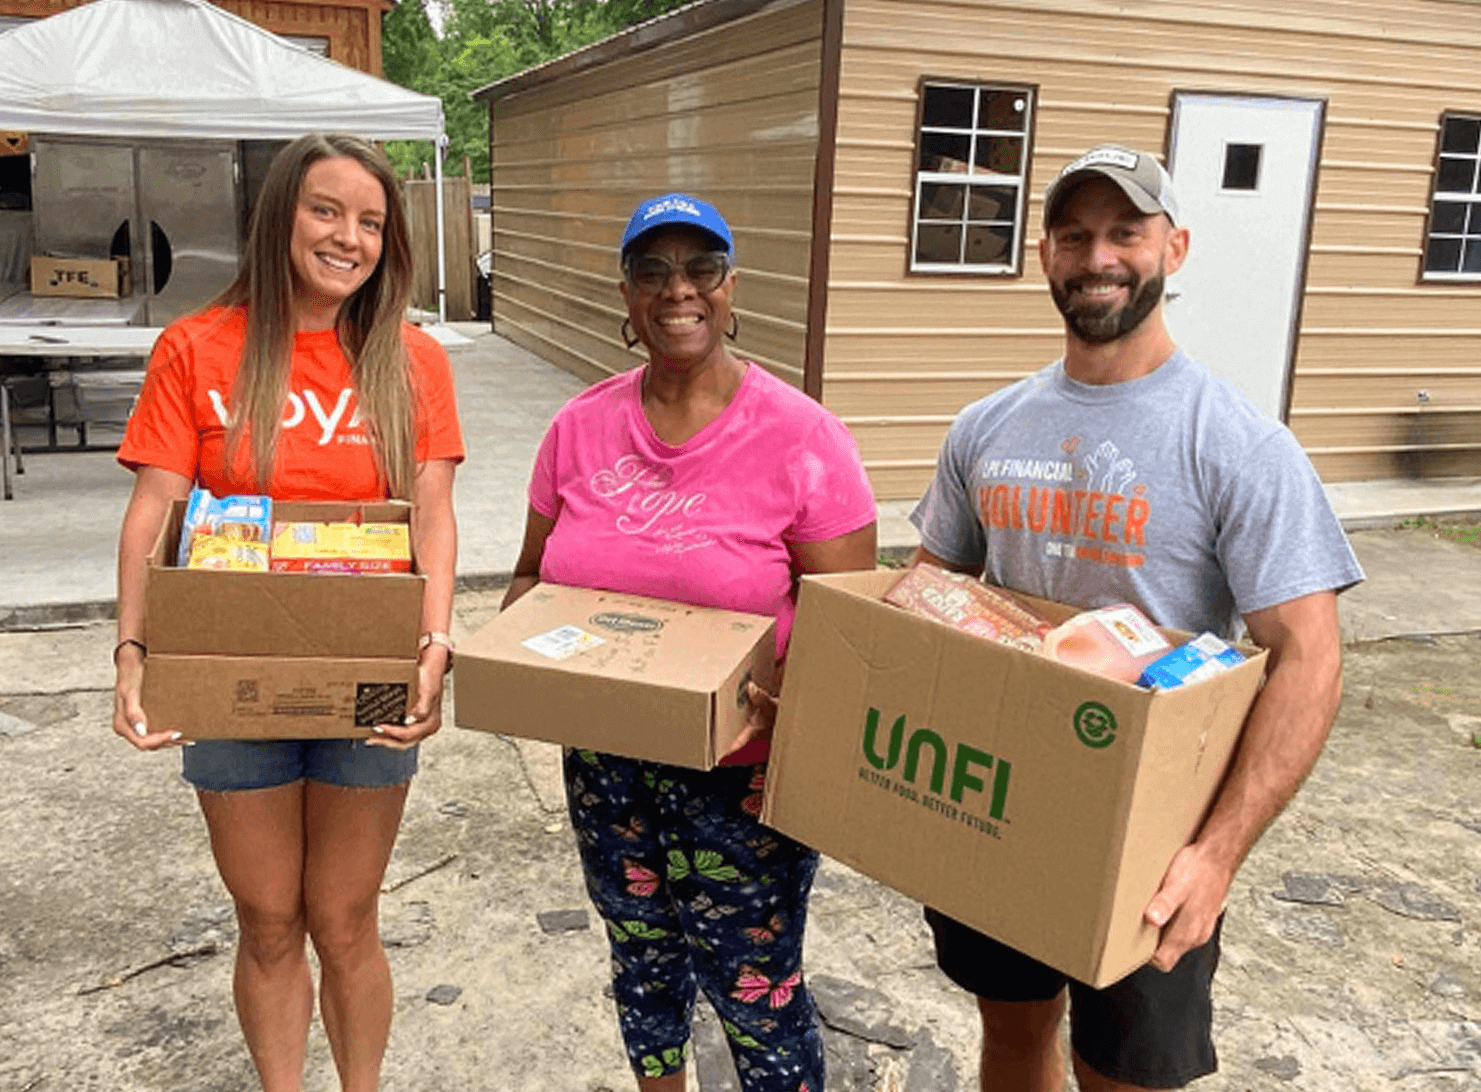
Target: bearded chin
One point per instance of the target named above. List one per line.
(1102, 325)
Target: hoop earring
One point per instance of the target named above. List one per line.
(734, 330)
(626, 330)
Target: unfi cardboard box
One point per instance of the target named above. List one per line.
(625, 674)
(1036, 802)
(106, 278)
(252, 655)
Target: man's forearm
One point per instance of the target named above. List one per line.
(1282, 739)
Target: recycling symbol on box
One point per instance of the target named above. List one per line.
(1095, 724)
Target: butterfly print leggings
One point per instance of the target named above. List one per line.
(695, 892)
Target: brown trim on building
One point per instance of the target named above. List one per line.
(822, 199)
(493, 221)
(1429, 213)
(1420, 280)
(680, 23)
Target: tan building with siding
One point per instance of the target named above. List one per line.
(882, 163)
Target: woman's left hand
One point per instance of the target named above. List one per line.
(761, 707)
(425, 717)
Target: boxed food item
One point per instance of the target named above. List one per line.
(226, 554)
(1204, 656)
(625, 674)
(97, 278)
(970, 605)
(341, 547)
(225, 532)
(282, 655)
(1035, 801)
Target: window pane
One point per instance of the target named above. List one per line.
(1473, 256)
(938, 243)
(1449, 218)
(1456, 175)
(946, 152)
(1002, 110)
(1003, 155)
(969, 194)
(947, 107)
(1442, 256)
(1242, 166)
(988, 245)
(992, 203)
(1461, 135)
(940, 201)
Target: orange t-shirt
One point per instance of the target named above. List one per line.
(324, 451)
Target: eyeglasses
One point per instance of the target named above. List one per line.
(650, 273)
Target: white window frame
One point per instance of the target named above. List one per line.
(1020, 180)
(1473, 198)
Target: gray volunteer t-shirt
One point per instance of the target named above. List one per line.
(1170, 491)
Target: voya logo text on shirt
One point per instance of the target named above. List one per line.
(299, 408)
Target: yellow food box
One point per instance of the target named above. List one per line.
(341, 547)
(227, 553)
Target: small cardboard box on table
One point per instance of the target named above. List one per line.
(254, 655)
(625, 674)
(1038, 803)
(95, 278)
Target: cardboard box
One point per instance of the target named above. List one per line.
(625, 674)
(96, 278)
(244, 655)
(1036, 802)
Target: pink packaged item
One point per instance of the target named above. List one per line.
(1117, 642)
(968, 604)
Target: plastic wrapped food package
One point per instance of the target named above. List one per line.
(1117, 642)
(225, 532)
(1201, 658)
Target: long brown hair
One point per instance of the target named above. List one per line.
(369, 326)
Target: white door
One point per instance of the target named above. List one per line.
(1244, 170)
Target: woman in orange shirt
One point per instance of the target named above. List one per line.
(302, 382)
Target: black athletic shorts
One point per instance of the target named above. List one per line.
(1151, 1028)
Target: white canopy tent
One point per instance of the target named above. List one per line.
(184, 68)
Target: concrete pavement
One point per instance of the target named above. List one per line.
(58, 536)
(1351, 951)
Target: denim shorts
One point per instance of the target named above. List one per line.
(233, 765)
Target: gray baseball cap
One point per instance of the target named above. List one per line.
(1140, 176)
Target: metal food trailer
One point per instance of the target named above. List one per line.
(148, 126)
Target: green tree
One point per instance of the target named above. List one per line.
(483, 41)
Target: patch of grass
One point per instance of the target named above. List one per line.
(1462, 530)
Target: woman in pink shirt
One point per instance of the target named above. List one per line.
(704, 479)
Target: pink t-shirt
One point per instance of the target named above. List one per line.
(707, 522)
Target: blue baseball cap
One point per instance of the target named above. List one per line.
(676, 209)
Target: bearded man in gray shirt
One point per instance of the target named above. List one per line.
(1126, 472)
